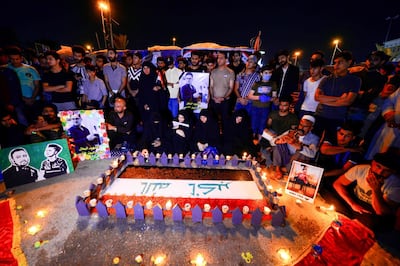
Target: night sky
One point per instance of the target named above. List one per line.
(303, 25)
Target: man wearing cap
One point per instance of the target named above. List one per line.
(377, 186)
(300, 144)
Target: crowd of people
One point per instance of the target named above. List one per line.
(337, 117)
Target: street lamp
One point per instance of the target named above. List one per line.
(390, 25)
(336, 43)
(173, 41)
(296, 55)
(103, 8)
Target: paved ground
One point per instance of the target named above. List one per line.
(74, 240)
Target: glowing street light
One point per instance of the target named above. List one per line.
(173, 41)
(296, 55)
(103, 8)
(336, 43)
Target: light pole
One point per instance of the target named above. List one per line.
(336, 43)
(390, 25)
(296, 55)
(103, 7)
(173, 41)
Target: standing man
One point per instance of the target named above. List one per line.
(19, 172)
(286, 75)
(172, 75)
(222, 80)
(78, 67)
(30, 83)
(115, 76)
(196, 64)
(335, 94)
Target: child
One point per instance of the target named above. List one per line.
(262, 93)
(94, 90)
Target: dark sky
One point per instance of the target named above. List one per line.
(303, 25)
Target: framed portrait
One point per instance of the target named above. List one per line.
(303, 181)
(35, 162)
(87, 134)
(193, 91)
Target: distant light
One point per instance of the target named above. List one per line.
(336, 42)
(284, 254)
(199, 260)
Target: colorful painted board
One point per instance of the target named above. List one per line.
(35, 162)
(87, 133)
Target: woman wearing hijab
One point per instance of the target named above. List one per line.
(205, 132)
(238, 135)
(182, 132)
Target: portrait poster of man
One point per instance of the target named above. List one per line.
(87, 133)
(303, 181)
(193, 91)
(35, 162)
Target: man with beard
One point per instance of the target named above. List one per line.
(115, 76)
(300, 144)
(286, 75)
(53, 165)
(120, 125)
(78, 67)
(19, 172)
(81, 136)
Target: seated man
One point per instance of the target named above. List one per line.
(376, 193)
(11, 132)
(341, 153)
(120, 126)
(300, 145)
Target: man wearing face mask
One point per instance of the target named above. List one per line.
(262, 94)
(115, 76)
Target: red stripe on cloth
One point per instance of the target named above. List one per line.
(347, 246)
(6, 235)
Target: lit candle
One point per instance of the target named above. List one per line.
(267, 210)
(109, 203)
(269, 188)
(193, 156)
(264, 177)
(41, 213)
(181, 156)
(187, 207)
(169, 156)
(86, 193)
(149, 204)
(225, 208)
(298, 201)
(122, 157)
(228, 157)
(158, 155)
(107, 172)
(99, 181)
(279, 191)
(207, 207)
(245, 209)
(114, 163)
(93, 202)
(244, 156)
(284, 254)
(199, 260)
(33, 229)
(205, 157)
(258, 169)
(129, 204)
(158, 260)
(168, 205)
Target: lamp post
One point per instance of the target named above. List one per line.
(103, 7)
(390, 25)
(336, 43)
(173, 41)
(296, 55)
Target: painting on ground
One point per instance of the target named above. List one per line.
(35, 162)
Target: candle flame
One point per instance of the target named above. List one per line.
(284, 254)
(199, 260)
(158, 260)
(41, 213)
(33, 229)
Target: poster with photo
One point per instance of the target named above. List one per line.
(35, 162)
(87, 133)
(193, 91)
(303, 181)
